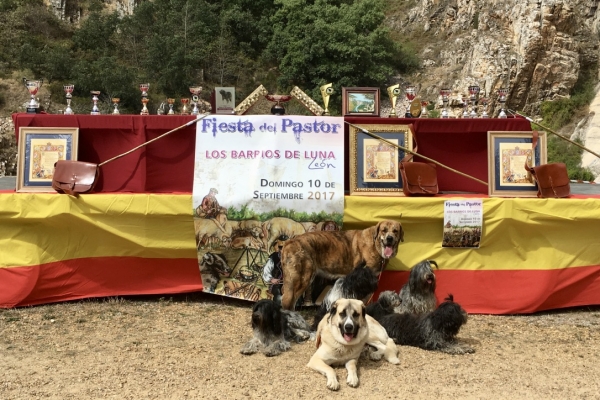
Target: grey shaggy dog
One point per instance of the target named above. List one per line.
(436, 330)
(418, 294)
(386, 303)
(274, 328)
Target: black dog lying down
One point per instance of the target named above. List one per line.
(359, 284)
(436, 330)
(274, 328)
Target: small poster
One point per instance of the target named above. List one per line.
(224, 100)
(463, 220)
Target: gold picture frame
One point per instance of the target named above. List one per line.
(38, 149)
(373, 163)
(507, 153)
(360, 101)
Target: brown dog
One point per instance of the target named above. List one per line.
(334, 254)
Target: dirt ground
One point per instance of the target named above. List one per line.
(187, 347)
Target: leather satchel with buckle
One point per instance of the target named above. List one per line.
(418, 178)
(552, 179)
(80, 177)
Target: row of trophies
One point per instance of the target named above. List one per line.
(472, 100)
(393, 91)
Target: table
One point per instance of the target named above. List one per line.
(167, 166)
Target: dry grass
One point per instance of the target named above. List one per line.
(188, 347)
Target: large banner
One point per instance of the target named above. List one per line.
(259, 181)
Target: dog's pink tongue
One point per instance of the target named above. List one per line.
(348, 337)
(388, 251)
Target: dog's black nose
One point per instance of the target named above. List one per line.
(348, 328)
(389, 240)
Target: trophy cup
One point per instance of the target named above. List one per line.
(184, 107)
(474, 93)
(502, 93)
(326, 91)
(171, 102)
(278, 109)
(115, 101)
(484, 102)
(393, 92)
(68, 94)
(144, 88)
(33, 87)
(424, 105)
(95, 109)
(410, 92)
(195, 91)
(161, 109)
(445, 93)
(465, 102)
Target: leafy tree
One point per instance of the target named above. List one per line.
(320, 41)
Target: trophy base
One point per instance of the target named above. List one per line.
(32, 110)
(408, 115)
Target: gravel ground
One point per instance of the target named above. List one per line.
(188, 347)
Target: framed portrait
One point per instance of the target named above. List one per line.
(224, 100)
(38, 150)
(374, 163)
(360, 101)
(507, 154)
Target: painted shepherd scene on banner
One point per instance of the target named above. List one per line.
(258, 182)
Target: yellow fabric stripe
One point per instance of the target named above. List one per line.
(518, 233)
(42, 228)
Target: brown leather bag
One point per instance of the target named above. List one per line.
(74, 177)
(79, 177)
(419, 178)
(552, 179)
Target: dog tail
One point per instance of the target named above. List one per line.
(433, 263)
(450, 298)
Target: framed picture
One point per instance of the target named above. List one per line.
(374, 163)
(507, 154)
(224, 100)
(360, 101)
(38, 150)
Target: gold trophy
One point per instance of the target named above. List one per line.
(184, 107)
(144, 88)
(393, 92)
(326, 91)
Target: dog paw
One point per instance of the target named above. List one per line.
(249, 348)
(333, 384)
(352, 380)
(272, 352)
(283, 346)
(394, 360)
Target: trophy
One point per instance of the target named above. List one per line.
(502, 93)
(445, 93)
(171, 101)
(410, 92)
(465, 102)
(195, 91)
(424, 105)
(115, 101)
(474, 93)
(184, 107)
(33, 87)
(144, 88)
(393, 92)
(68, 94)
(278, 109)
(326, 91)
(161, 109)
(484, 102)
(95, 109)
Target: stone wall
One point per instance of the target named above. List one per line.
(8, 147)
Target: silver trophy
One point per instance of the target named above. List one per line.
(115, 101)
(195, 91)
(474, 95)
(502, 93)
(95, 109)
(69, 95)
(144, 88)
(445, 93)
(465, 102)
(484, 103)
(33, 87)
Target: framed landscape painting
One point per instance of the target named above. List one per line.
(360, 101)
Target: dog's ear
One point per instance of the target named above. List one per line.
(401, 232)
(376, 233)
(364, 311)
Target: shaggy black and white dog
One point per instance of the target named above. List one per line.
(274, 328)
(418, 294)
(359, 284)
(386, 303)
(213, 267)
(436, 330)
